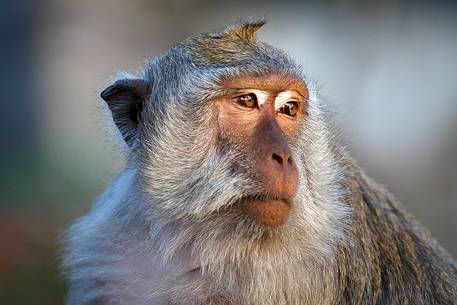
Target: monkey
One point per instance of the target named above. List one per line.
(237, 191)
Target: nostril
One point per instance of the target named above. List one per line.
(290, 160)
(277, 158)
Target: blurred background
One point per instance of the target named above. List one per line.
(387, 70)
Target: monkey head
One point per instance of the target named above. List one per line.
(232, 157)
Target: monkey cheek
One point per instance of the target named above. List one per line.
(268, 212)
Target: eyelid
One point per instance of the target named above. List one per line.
(279, 104)
(288, 101)
(262, 96)
(240, 94)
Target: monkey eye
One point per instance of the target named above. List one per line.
(247, 100)
(289, 108)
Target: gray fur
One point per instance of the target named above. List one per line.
(169, 210)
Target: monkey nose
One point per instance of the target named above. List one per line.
(275, 164)
(283, 162)
(283, 168)
(279, 174)
(283, 159)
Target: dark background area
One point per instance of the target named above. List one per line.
(387, 70)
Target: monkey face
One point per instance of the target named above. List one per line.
(260, 116)
(247, 155)
(243, 143)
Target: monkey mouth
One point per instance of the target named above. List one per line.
(267, 210)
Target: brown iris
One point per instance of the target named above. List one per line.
(247, 100)
(289, 108)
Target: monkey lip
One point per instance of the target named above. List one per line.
(270, 211)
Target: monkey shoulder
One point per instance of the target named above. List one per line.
(391, 257)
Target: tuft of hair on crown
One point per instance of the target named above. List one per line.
(245, 29)
(226, 46)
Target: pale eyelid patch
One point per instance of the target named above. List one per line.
(262, 96)
(282, 98)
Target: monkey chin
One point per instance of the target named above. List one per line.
(268, 211)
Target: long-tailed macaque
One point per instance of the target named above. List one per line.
(236, 192)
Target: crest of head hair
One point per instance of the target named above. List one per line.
(246, 29)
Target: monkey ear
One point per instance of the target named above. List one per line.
(125, 98)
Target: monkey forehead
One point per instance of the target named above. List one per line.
(273, 82)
